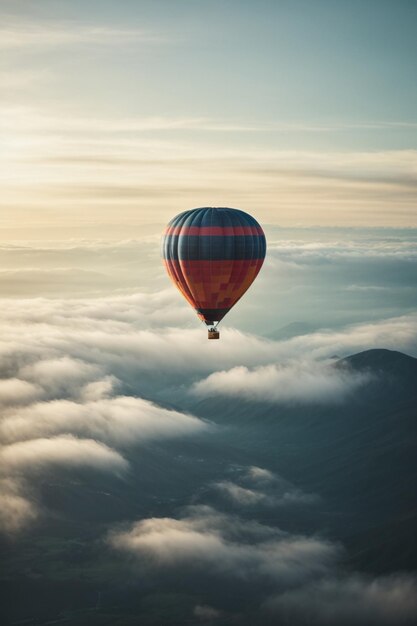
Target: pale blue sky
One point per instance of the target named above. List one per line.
(307, 107)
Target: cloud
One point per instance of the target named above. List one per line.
(347, 165)
(99, 389)
(22, 461)
(59, 376)
(388, 600)
(120, 420)
(67, 157)
(294, 383)
(396, 333)
(16, 511)
(258, 487)
(19, 35)
(16, 79)
(301, 252)
(367, 288)
(63, 410)
(15, 391)
(289, 578)
(205, 612)
(65, 450)
(72, 370)
(121, 337)
(227, 547)
(261, 474)
(241, 495)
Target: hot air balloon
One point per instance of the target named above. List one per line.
(213, 255)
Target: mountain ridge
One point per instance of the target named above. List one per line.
(381, 358)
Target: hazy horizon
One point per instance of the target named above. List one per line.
(117, 117)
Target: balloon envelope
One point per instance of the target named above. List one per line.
(213, 255)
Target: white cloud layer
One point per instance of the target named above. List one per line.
(294, 383)
(209, 541)
(241, 495)
(310, 587)
(15, 391)
(122, 420)
(16, 510)
(258, 487)
(65, 450)
(206, 613)
(60, 403)
(22, 461)
(260, 474)
(68, 368)
(388, 600)
(115, 334)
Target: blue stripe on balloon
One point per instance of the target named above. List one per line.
(213, 216)
(216, 248)
(213, 315)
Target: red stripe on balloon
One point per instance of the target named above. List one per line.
(213, 284)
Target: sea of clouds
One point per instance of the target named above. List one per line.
(85, 380)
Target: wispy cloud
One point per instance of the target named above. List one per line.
(294, 579)
(18, 79)
(351, 600)
(75, 161)
(297, 383)
(256, 488)
(29, 118)
(204, 540)
(22, 461)
(18, 35)
(63, 450)
(120, 420)
(261, 488)
(241, 495)
(16, 510)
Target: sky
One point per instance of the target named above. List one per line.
(117, 116)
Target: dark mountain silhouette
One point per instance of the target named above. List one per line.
(386, 361)
(387, 365)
